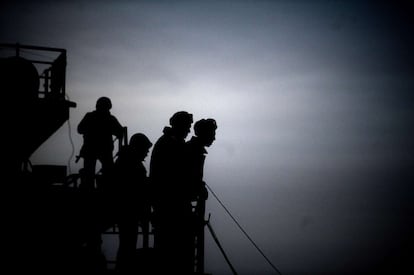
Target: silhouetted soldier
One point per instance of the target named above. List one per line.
(172, 211)
(98, 128)
(195, 154)
(132, 197)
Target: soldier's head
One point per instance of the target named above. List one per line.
(140, 144)
(205, 130)
(103, 104)
(181, 123)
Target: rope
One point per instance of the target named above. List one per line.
(71, 142)
(244, 232)
(213, 234)
(72, 147)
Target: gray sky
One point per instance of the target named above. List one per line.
(313, 99)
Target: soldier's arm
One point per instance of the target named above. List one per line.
(117, 128)
(83, 125)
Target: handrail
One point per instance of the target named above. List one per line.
(31, 47)
(54, 76)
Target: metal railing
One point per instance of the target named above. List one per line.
(50, 62)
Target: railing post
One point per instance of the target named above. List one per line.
(199, 246)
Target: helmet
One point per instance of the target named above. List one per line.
(103, 103)
(205, 126)
(181, 118)
(140, 140)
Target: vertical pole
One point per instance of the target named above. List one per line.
(64, 73)
(125, 135)
(201, 209)
(123, 141)
(145, 227)
(46, 84)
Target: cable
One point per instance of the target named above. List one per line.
(72, 146)
(244, 232)
(71, 142)
(213, 234)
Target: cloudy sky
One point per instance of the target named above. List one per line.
(314, 102)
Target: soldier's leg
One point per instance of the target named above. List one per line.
(88, 173)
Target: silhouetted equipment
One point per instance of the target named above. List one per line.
(21, 78)
(50, 174)
(48, 218)
(38, 106)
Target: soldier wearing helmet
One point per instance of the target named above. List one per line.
(167, 153)
(98, 128)
(131, 192)
(172, 212)
(193, 182)
(195, 154)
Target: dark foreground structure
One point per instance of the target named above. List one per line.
(53, 226)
